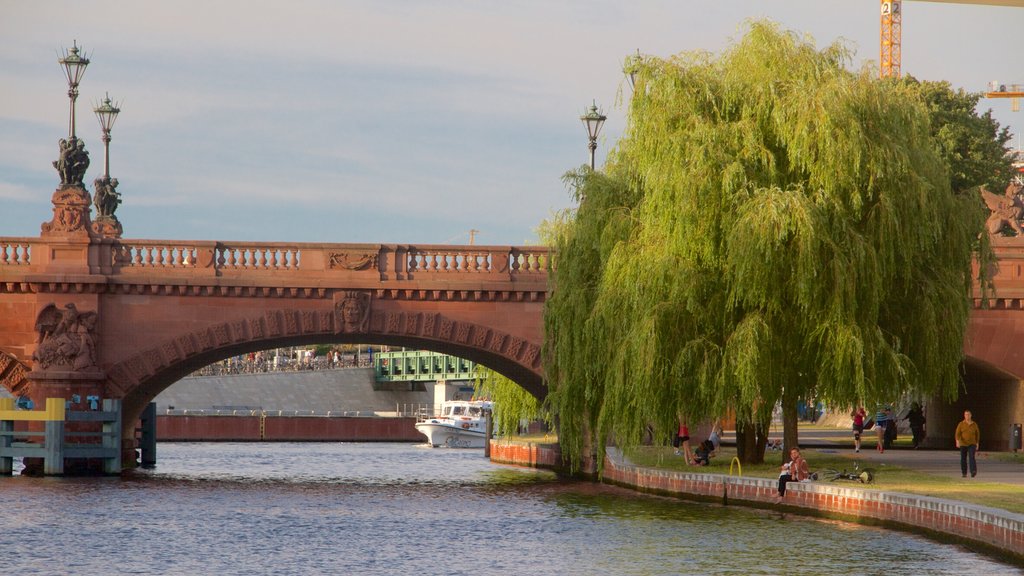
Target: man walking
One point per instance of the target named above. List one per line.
(968, 436)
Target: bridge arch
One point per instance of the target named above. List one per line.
(141, 376)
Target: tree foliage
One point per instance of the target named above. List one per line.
(512, 403)
(770, 226)
(973, 145)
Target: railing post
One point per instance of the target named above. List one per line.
(53, 440)
(6, 429)
(112, 436)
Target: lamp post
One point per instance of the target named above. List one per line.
(106, 113)
(74, 66)
(593, 120)
(107, 197)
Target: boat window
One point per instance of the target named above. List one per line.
(456, 410)
(474, 411)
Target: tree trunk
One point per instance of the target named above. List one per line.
(750, 442)
(790, 436)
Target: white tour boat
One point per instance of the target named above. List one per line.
(461, 424)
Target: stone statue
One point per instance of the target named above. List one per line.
(1006, 209)
(106, 197)
(73, 162)
(66, 338)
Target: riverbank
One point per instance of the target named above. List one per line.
(994, 531)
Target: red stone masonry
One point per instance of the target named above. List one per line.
(990, 529)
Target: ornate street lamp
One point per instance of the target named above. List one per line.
(593, 120)
(106, 196)
(106, 113)
(74, 66)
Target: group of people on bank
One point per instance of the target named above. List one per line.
(705, 450)
(967, 439)
(884, 423)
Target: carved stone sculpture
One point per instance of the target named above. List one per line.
(66, 339)
(352, 311)
(1006, 209)
(106, 197)
(73, 161)
(353, 261)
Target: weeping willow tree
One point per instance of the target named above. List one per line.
(512, 403)
(771, 226)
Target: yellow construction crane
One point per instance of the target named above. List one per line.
(1013, 92)
(892, 32)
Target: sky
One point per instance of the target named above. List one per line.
(378, 121)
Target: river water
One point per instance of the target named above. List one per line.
(313, 508)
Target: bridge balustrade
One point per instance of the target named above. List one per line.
(390, 261)
(15, 251)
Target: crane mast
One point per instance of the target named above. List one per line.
(892, 32)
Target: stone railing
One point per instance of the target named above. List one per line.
(16, 251)
(393, 261)
(219, 255)
(170, 258)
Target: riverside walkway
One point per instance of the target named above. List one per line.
(936, 462)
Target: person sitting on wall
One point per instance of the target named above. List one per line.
(796, 470)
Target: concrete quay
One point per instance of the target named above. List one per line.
(993, 531)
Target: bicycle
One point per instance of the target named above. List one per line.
(865, 476)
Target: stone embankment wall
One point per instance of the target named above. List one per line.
(996, 531)
(285, 429)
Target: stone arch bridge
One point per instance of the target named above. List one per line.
(86, 313)
(83, 314)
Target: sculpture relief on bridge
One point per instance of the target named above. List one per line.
(70, 212)
(12, 374)
(66, 339)
(352, 312)
(353, 260)
(1006, 210)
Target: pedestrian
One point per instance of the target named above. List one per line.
(881, 421)
(916, 419)
(890, 429)
(796, 470)
(682, 442)
(968, 438)
(858, 415)
(715, 438)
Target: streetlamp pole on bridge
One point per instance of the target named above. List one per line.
(74, 66)
(106, 197)
(593, 120)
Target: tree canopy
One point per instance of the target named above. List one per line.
(973, 146)
(770, 226)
